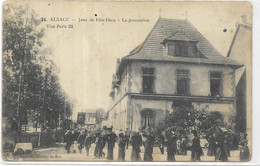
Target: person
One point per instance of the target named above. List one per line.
(171, 144)
(103, 140)
(227, 143)
(80, 140)
(121, 147)
(196, 150)
(74, 147)
(244, 150)
(98, 148)
(148, 146)
(220, 151)
(136, 142)
(183, 147)
(111, 139)
(211, 144)
(161, 142)
(127, 137)
(87, 142)
(68, 140)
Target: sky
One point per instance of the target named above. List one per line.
(86, 54)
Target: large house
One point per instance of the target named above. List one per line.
(174, 65)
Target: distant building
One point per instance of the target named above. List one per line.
(174, 65)
(84, 118)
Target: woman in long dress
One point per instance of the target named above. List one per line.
(121, 147)
(220, 148)
(244, 150)
(196, 150)
(136, 142)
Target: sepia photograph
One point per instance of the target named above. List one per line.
(113, 81)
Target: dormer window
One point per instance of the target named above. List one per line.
(181, 45)
(182, 49)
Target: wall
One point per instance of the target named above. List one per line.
(137, 105)
(226, 109)
(165, 81)
(118, 115)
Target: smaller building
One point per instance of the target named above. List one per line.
(84, 118)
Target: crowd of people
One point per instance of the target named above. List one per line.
(218, 144)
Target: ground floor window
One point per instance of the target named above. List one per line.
(147, 119)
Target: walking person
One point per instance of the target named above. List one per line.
(111, 139)
(196, 150)
(87, 142)
(136, 142)
(211, 144)
(68, 140)
(103, 140)
(121, 147)
(244, 150)
(183, 147)
(148, 147)
(80, 140)
(220, 150)
(98, 148)
(161, 141)
(171, 144)
(127, 137)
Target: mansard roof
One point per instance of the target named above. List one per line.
(153, 49)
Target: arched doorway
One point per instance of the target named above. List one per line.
(147, 119)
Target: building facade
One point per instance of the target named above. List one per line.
(241, 51)
(175, 64)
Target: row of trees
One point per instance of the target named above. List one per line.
(31, 88)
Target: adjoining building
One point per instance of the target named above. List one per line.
(175, 64)
(241, 51)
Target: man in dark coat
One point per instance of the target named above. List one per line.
(121, 147)
(148, 147)
(196, 150)
(103, 140)
(111, 139)
(80, 140)
(212, 144)
(171, 144)
(87, 142)
(127, 137)
(136, 142)
(68, 140)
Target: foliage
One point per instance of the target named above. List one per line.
(185, 119)
(31, 89)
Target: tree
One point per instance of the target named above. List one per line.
(187, 118)
(100, 116)
(31, 88)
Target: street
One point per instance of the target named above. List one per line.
(58, 153)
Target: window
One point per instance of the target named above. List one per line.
(182, 49)
(183, 82)
(148, 80)
(148, 119)
(215, 83)
(171, 49)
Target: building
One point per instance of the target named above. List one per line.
(241, 51)
(84, 118)
(175, 64)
